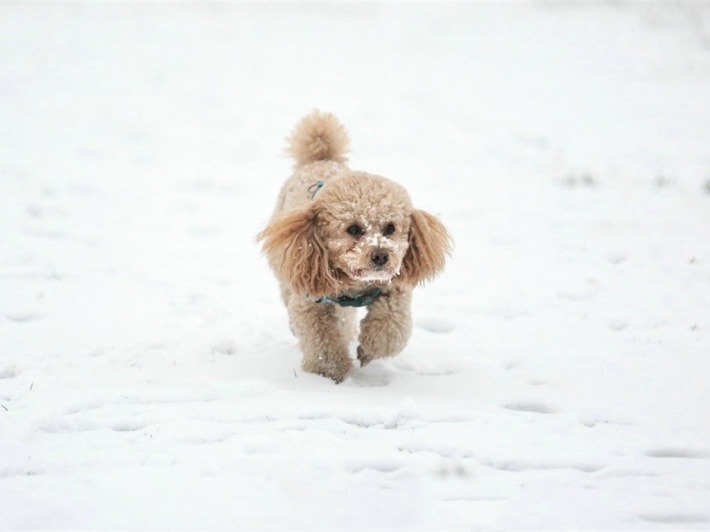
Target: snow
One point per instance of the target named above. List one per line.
(557, 376)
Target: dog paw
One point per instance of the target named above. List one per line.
(363, 357)
(337, 375)
(335, 368)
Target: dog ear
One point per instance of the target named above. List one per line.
(298, 254)
(429, 244)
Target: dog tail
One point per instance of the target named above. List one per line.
(318, 137)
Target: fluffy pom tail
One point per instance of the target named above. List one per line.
(318, 137)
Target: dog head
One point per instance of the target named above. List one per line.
(360, 229)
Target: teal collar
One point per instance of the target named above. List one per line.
(347, 301)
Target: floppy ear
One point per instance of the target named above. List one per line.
(297, 253)
(429, 244)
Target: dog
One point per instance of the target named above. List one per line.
(340, 239)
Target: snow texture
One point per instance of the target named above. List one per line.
(558, 372)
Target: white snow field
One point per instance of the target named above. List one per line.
(558, 374)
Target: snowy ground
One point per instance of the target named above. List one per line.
(558, 372)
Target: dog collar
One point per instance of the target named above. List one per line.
(362, 300)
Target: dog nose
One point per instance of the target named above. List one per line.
(379, 257)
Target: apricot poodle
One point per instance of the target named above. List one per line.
(341, 239)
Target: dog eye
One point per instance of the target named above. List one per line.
(388, 230)
(355, 230)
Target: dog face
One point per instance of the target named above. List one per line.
(364, 221)
(359, 229)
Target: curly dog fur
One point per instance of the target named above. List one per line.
(337, 232)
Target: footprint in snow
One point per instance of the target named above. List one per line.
(373, 376)
(381, 465)
(591, 421)
(519, 466)
(678, 452)
(675, 518)
(127, 426)
(617, 325)
(435, 324)
(616, 258)
(9, 372)
(530, 406)
(225, 347)
(431, 370)
(21, 317)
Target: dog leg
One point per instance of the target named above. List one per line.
(318, 327)
(386, 328)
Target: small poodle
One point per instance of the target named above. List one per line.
(341, 239)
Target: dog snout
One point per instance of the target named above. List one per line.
(379, 257)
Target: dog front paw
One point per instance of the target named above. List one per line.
(363, 357)
(335, 368)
